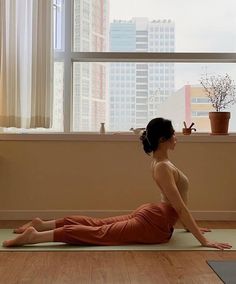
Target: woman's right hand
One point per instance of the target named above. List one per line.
(221, 246)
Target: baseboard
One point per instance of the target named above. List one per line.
(55, 214)
(214, 215)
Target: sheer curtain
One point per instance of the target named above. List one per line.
(26, 63)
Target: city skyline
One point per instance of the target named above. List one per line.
(89, 80)
(198, 28)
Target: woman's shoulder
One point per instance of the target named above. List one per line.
(163, 167)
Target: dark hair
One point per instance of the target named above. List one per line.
(158, 130)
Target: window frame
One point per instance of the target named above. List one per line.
(69, 57)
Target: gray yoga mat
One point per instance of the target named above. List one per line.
(181, 240)
(225, 269)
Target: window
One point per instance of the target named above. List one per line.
(200, 100)
(116, 62)
(200, 113)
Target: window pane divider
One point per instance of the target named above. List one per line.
(59, 56)
(175, 57)
(68, 66)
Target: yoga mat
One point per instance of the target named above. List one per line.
(225, 269)
(181, 240)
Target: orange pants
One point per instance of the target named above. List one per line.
(149, 224)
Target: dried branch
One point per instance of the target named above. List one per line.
(220, 90)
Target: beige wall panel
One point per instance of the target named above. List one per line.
(72, 175)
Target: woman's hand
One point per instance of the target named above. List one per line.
(221, 246)
(204, 230)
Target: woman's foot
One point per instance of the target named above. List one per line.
(37, 223)
(28, 237)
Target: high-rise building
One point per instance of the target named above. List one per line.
(91, 23)
(137, 89)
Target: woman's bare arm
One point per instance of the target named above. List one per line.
(202, 230)
(165, 179)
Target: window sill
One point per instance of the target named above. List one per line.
(113, 137)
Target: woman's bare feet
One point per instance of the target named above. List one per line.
(38, 224)
(28, 237)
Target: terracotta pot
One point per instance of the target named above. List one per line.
(219, 122)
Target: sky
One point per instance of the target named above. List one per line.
(200, 26)
(206, 25)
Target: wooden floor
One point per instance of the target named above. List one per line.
(111, 267)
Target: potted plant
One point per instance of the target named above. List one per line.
(221, 91)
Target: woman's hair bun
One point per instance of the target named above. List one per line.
(143, 135)
(147, 147)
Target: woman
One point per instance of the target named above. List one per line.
(149, 224)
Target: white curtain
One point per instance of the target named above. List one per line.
(26, 63)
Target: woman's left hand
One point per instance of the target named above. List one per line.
(204, 230)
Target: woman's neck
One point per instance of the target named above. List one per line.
(160, 156)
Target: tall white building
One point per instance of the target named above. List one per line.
(136, 89)
(91, 23)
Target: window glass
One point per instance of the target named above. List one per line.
(155, 25)
(134, 101)
(125, 95)
(58, 23)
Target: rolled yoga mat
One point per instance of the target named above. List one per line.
(181, 240)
